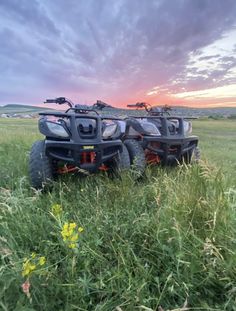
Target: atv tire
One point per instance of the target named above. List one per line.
(40, 166)
(121, 162)
(137, 156)
(193, 156)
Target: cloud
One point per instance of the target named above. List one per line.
(32, 14)
(228, 91)
(209, 57)
(114, 50)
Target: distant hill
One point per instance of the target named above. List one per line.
(22, 109)
(180, 111)
(205, 112)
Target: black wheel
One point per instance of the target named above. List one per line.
(137, 156)
(192, 156)
(40, 166)
(121, 162)
(196, 155)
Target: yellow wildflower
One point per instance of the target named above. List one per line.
(72, 225)
(70, 234)
(66, 232)
(28, 268)
(42, 260)
(56, 210)
(74, 237)
(66, 226)
(31, 264)
(72, 245)
(33, 255)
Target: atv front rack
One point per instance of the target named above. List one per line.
(68, 115)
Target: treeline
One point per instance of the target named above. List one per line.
(218, 117)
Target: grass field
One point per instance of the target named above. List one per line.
(168, 240)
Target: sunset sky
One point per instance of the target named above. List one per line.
(179, 52)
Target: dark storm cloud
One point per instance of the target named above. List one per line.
(116, 50)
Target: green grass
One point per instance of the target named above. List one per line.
(218, 144)
(167, 239)
(217, 141)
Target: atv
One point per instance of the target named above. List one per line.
(82, 139)
(79, 139)
(165, 138)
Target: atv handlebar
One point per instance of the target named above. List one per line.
(155, 111)
(141, 105)
(60, 101)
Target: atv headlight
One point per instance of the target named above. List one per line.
(109, 130)
(150, 128)
(187, 127)
(57, 129)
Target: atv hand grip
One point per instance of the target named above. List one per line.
(59, 100)
(137, 105)
(49, 101)
(131, 105)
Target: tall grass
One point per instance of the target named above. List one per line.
(167, 240)
(158, 242)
